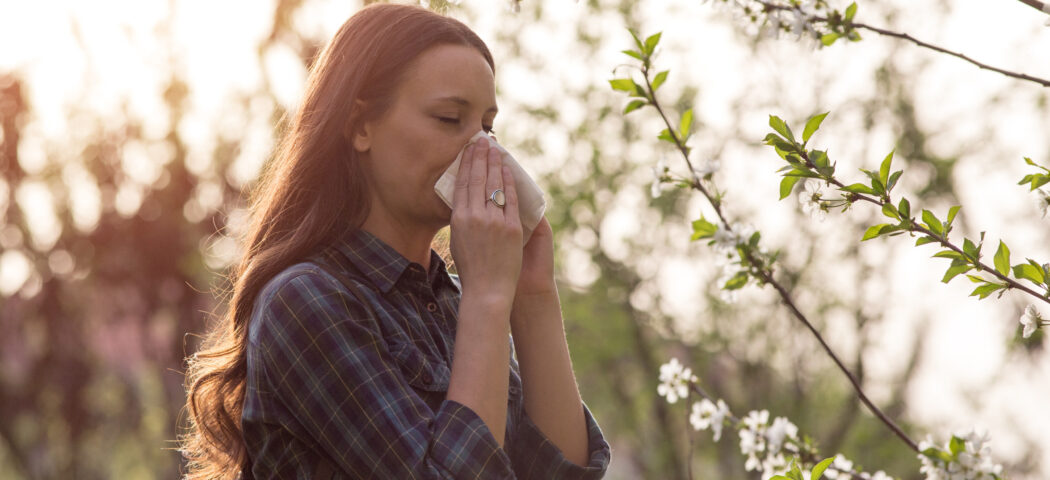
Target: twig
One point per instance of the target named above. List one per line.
(766, 275)
(905, 36)
(1036, 4)
(914, 227)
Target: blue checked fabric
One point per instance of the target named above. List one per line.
(329, 381)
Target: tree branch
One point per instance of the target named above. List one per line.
(765, 273)
(904, 36)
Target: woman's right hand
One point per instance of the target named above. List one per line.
(486, 240)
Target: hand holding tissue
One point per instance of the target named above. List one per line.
(531, 204)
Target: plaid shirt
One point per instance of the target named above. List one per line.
(328, 381)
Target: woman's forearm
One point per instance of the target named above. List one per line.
(552, 398)
(481, 363)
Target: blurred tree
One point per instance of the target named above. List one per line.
(92, 341)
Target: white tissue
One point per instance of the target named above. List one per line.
(531, 204)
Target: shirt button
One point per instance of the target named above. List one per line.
(432, 307)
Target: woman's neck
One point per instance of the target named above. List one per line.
(411, 241)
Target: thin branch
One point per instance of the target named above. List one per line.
(904, 36)
(766, 274)
(1036, 4)
(914, 227)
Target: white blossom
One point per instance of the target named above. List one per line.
(1042, 199)
(659, 174)
(674, 381)
(810, 200)
(707, 168)
(781, 429)
(707, 414)
(973, 462)
(840, 468)
(725, 240)
(1030, 320)
(764, 445)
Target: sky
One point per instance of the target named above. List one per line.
(110, 48)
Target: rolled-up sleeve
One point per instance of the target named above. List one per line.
(325, 360)
(534, 456)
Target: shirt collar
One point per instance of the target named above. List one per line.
(383, 265)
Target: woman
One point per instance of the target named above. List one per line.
(348, 350)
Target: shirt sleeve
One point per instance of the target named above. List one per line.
(328, 364)
(534, 456)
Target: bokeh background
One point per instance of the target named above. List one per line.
(129, 130)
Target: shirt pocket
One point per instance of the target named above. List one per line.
(419, 370)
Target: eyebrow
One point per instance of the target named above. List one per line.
(464, 102)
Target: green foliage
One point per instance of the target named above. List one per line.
(795, 473)
(1036, 180)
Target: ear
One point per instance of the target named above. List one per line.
(362, 135)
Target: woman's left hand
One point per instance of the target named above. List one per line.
(537, 263)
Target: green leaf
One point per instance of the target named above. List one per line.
(905, 208)
(703, 229)
(812, 125)
(956, 269)
(924, 240)
(637, 41)
(851, 10)
(685, 124)
(652, 42)
(623, 84)
(970, 249)
(956, 445)
(737, 282)
(802, 173)
(873, 231)
(819, 158)
(818, 469)
(1002, 259)
(828, 39)
(983, 291)
(890, 211)
(787, 185)
(1040, 180)
(1030, 162)
(938, 454)
(659, 79)
(1029, 272)
(666, 136)
(952, 254)
(853, 36)
(858, 188)
(951, 214)
(634, 53)
(884, 169)
(781, 128)
(881, 229)
(893, 180)
(932, 222)
(634, 105)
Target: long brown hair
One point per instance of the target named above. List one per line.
(311, 193)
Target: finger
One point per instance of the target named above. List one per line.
(495, 176)
(510, 189)
(476, 194)
(459, 196)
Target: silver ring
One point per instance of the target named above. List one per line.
(498, 198)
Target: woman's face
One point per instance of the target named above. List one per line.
(447, 94)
